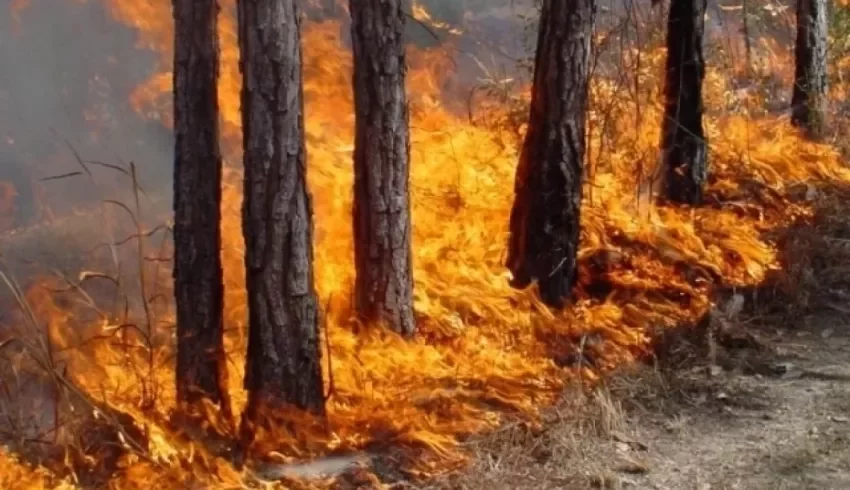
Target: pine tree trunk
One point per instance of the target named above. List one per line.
(809, 97)
(683, 140)
(382, 247)
(283, 366)
(201, 369)
(545, 219)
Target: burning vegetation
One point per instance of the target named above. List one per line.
(91, 350)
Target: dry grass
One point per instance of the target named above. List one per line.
(45, 418)
(574, 447)
(815, 259)
(590, 439)
(594, 439)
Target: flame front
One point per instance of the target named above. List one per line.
(484, 348)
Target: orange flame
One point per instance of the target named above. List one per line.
(484, 348)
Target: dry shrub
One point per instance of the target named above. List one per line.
(815, 259)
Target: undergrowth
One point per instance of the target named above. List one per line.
(78, 435)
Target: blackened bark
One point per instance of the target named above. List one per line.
(283, 366)
(683, 141)
(545, 219)
(809, 97)
(198, 289)
(382, 247)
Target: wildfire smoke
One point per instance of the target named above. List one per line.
(484, 350)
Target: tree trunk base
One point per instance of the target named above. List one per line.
(545, 219)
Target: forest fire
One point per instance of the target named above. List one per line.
(484, 351)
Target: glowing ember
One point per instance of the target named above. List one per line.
(484, 349)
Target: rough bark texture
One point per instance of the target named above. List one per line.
(544, 222)
(809, 97)
(283, 366)
(382, 247)
(198, 288)
(683, 140)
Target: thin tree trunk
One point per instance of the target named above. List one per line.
(201, 369)
(545, 219)
(283, 366)
(382, 247)
(683, 140)
(809, 97)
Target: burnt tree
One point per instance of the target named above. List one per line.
(545, 219)
(683, 143)
(809, 96)
(283, 365)
(382, 246)
(198, 288)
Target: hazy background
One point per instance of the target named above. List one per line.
(67, 70)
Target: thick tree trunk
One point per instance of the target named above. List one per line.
(809, 97)
(683, 140)
(544, 222)
(201, 369)
(382, 248)
(283, 366)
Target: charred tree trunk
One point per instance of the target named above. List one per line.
(283, 366)
(544, 222)
(201, 369)
(809, 97)
(382, 248)
(683, 141)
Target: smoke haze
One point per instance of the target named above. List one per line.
(68, 70)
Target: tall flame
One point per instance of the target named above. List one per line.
(484, 349)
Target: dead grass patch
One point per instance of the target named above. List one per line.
(583, 442)
(815, 258)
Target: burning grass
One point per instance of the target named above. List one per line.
(484, 351)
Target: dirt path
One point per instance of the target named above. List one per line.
(786, 428)
(773, 420)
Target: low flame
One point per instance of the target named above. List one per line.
(484, 349)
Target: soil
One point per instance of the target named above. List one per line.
(777, 417)
(786, 428)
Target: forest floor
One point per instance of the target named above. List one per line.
(771, 415)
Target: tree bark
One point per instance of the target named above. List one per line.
(283, 366)
(545, 219)
(198, 287)
(382, 244)
(683, 143)
(809, 97)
